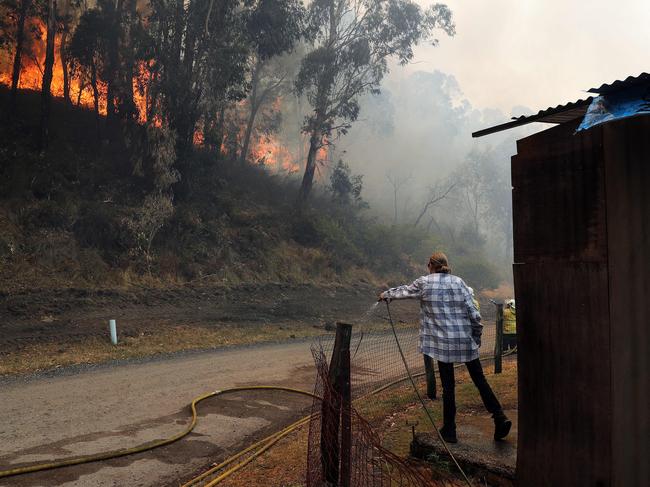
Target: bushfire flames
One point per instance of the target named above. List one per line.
(31, 73)
(266, 150)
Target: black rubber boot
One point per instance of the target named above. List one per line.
(502, 426)
(449, 434)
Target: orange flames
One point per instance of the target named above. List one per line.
(271, 154)
(81, 93)
(266, 150)
(33, 63)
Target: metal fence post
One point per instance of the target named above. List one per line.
(336, 413)
(498, 341)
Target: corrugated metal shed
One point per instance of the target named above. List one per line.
(570, 111)
(605, 88)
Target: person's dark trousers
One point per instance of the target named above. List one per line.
(449, 393)
(431, 377)
(509, 341)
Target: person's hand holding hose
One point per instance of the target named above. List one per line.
(382, 297)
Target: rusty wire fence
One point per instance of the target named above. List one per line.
(347, 450)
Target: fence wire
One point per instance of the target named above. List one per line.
(375, 363)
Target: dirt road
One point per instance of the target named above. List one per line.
(43, 419)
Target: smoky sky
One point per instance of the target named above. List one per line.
(539, 53)
(508, 58)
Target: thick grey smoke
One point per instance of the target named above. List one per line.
(416, 134)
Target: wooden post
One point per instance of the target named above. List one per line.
(498, 343)
(336, 412)
(344, 383)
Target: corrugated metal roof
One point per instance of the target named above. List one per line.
(570, 111)
(619, 84)
(558, 114)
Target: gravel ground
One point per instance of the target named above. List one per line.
(47, 417)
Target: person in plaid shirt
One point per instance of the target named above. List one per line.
(450, 332)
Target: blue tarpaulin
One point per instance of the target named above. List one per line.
(615, 106)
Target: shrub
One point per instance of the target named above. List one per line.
(100, 227)
(49, 214)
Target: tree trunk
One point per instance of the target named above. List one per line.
(255, 105)
(82, 87)
(63, 55)
(249, 132)
(127, 111)
(317, 127)
(310, 168)
(93, 82)
(46, 96)
(395, 190)
(113, 65)
(20, 41)
(220, 129)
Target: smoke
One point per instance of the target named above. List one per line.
(419, 125)
(417, 133)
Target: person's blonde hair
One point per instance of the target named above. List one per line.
(439, 263)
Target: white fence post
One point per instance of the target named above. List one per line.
(113, 327)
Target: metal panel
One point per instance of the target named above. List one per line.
(564, 389)
(559, 197)
(643, 78)
(627, 162)
(558, 114)
(561, 288)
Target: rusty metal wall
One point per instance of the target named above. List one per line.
(559, 197)
(627, 163)
(561, 283)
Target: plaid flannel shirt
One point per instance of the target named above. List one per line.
(450, 329)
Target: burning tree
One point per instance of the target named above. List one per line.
(353, 41)
(275, 26)
(14, 30)
(202, 54)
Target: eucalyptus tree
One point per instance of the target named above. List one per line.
(13, 30)
(275, 27)
(201, 56)
(46, 95)
(353, 41)
(88, 53)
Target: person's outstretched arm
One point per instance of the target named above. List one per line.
(407, 291)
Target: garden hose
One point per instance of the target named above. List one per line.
(268, 442)
(271, 440)
(265, 444)
(419, 396)
(147, 446)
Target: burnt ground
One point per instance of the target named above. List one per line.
(68, 315)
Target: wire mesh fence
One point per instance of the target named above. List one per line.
(375, 358)
(375, 365)
(368, 463)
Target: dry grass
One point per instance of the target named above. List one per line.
(284, 465)
(37, 357)
(95, 350)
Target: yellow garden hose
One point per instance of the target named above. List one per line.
(147, 446)
(269, 441)
(272, 439)
(265, 444)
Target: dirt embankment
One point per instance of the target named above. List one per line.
(69, 315)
